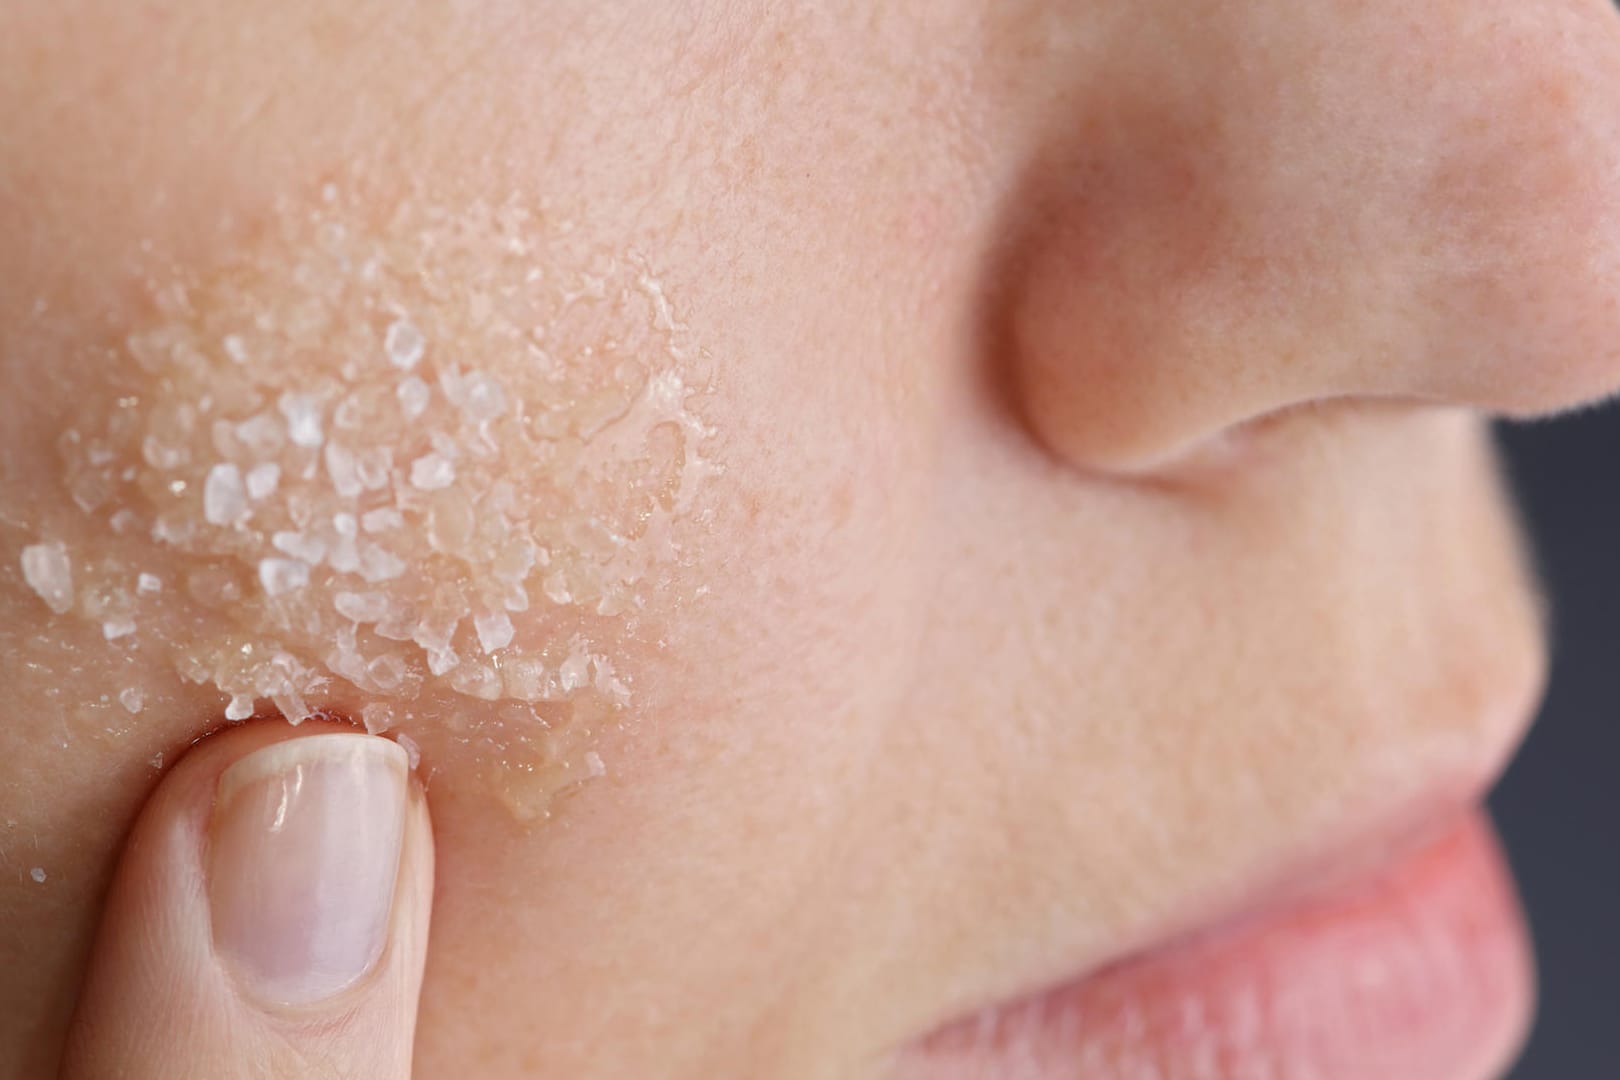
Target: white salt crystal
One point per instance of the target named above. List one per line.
(450, 522)
(381, 520)
(344, 557)
(361, 607)
(386, 672)
(49, 573)
(413, 397)
(431, 472)
(445, 444)
(282, 575)
(343, 657)
(377, 716)
(525, 678)
(603, 669)
(593, 764)
(477, 680)
(347, 413)
(572, 673)
(290, 703)
(303, 415)
(161, 455)
(404, 344)
(235, 348)
(494, 630)
(515, 559)
(148, 583)
(556, 588)
(224, 498)
(123, 521)
(434, 635)
(442, 660)
(38, 874)
(450, 382)
(90, 489)
(131, 699)
(262, 479)
(380, 564)
(240, 707)
(374, 467)
(482, 398)
(172, 530)
(399, 624)
(261, 433)
(340, 467)
(302, 546)
(117, 628)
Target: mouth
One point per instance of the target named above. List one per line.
(1418, 967)
(1386, 941)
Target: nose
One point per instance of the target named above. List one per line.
(1275, 204)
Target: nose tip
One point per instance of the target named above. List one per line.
(1417, 207)
(1520, 230)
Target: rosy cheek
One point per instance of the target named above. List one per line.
(432, 464)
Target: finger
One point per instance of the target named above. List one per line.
(269, 917)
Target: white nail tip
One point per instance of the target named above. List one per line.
(283, 757)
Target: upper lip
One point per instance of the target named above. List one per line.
(1401, 831)
(1355, 850)
(1383, 842)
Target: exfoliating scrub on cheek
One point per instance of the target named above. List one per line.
(424, 463)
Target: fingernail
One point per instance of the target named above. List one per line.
(303, 853)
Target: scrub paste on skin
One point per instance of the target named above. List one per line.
(388, 462)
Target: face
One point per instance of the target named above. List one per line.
(867, 513)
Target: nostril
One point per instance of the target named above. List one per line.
(1262, 426)
(1279, 436)
(1246, 444)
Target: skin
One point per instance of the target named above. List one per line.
(988, 288)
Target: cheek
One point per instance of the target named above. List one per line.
(435, 467)
(252, 496)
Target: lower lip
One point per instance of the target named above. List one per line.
(1423, 971)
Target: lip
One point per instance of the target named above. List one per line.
(1388, 944)
(1421, 967)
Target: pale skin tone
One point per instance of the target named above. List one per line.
(988, 287)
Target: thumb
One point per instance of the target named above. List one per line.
(269, 917)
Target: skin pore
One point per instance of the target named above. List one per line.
(929, 635)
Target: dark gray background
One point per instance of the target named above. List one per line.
(1558, 807)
